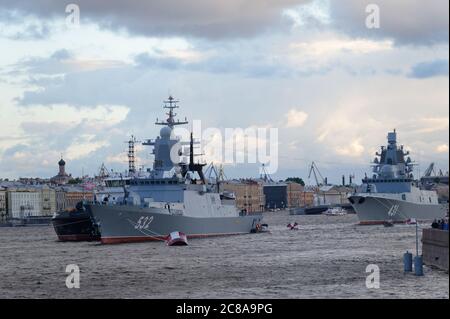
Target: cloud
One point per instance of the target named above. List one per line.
(334, 46)
(44, 70)
(83, 147)
(354, 149)
(443, 148)
(405, 21)
(426, 125)
(66, 86)
(16, 26)
(429, 69)
(47, 131)
(296, 118)
(199, 18)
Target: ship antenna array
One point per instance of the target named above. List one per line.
(171, 104)
(131, 154)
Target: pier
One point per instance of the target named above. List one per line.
(435, 248)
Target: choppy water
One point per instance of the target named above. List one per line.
(326, 258)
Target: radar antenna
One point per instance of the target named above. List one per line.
(171, 104)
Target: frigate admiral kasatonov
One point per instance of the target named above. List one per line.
(170, 197)
(392, 193)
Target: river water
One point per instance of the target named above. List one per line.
(326, 258)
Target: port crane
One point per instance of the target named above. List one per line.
(217, 171)
(315, 170)
(265, 175)
(430, 170)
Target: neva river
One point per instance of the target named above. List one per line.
(326, 258)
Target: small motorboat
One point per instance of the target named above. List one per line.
(260, 228)
(177, 238)
(411, 221)
(264, 228)
(293, 226)
(335, 211)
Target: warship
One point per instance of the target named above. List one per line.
(173, 196)
(77, 224)
(392, 194)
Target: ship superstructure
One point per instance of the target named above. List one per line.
(173, 196)
(392, 194)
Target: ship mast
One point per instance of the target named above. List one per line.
(131, 155)
(171, 104)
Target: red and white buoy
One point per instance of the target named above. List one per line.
(177, 238)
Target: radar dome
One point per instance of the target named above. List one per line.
(165, 132)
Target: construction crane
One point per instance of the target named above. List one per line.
(103, 171)
(215, 172)
(429, 170)
(315, 170)
(265, 175)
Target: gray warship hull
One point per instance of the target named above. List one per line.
(125, 224)
(376, 210)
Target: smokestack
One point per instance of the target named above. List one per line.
(350, 178)
(343, 180)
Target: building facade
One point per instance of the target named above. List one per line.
(23, 202)
(332, 195)
(276, 195)
(60, 196)
(249, 194)
(307, 198)
(294, 194)
(74, 195)
(48, 201)
(3, 211)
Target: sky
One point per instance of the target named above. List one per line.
(310, 68)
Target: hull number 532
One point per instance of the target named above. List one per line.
(143, 222)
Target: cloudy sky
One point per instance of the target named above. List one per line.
(310, 68)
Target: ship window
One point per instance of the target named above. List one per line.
(152, 182)
(404, 196)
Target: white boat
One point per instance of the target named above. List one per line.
(336, 211)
